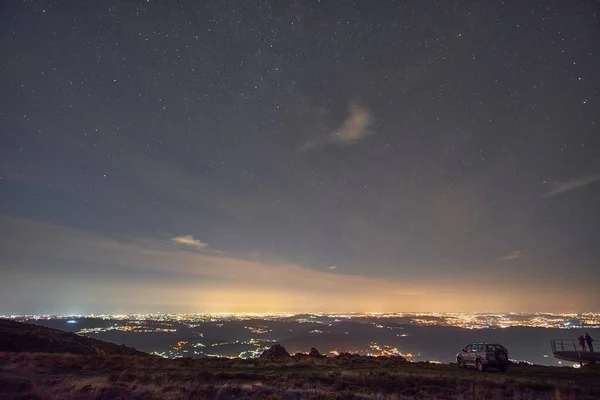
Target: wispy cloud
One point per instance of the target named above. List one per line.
(189, 240)
(332, 267)
(354, 127)
(351, 130)
(572, 184)
(513, 255)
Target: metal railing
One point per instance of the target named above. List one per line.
(564, 345)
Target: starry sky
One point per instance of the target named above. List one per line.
(196, 156)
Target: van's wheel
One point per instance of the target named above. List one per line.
(479, 365)
(461, 363)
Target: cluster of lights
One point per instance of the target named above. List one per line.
(259, 330)
(484, 321)
(124, 328)
(464, 320)
(386, 350)
(144, 323)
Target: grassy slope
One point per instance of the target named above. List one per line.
(67, 376)
(17, 336)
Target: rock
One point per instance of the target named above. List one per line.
(276, 351)
(315, 353)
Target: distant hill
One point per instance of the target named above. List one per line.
(21, 337)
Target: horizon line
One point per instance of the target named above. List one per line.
(288, 313)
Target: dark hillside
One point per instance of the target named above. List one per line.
(21, 337)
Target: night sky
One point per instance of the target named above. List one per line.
(321, 155)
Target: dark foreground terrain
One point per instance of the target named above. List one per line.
(106, 371)
(69, 376)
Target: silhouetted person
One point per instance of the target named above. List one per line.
(589, 341)
(581, 342)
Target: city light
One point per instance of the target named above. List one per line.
(261, 328)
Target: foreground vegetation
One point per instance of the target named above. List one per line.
(71, 376)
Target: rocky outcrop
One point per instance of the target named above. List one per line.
(276, 351)
(315, 353)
